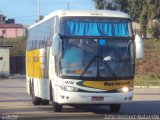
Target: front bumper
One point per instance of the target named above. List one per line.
(66, 97)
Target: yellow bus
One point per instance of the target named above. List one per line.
(82, 57)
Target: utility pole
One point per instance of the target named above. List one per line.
(68, 5)
(38, 9)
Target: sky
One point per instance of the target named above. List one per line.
(26, 11)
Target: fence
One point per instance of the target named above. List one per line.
(17, 65)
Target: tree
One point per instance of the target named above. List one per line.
(141, 11)
(135, 8)
(19, 45)
(154, 8)
(109, 5)
(156, 29)
(144, 18)
(154, 17)
(121, 5)
(99, 4)
(40, 18)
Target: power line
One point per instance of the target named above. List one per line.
(24, 16)
(44, 4)
(68, 6)
(40, 8)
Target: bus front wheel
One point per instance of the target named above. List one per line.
(114, 108)
(56, 107)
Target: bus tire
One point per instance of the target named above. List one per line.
(35, 100)
(114, 108)
(56, 106)
(45, 102)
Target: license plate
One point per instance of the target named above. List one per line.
(97, 98)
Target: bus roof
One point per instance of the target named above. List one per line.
(93, 13)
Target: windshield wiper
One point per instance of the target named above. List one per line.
(106, 65)
(87, 67)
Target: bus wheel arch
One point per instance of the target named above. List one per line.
(56, 106)
(35, 100)
(50, 90)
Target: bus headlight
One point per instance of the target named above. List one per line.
(69, 88)
(125, 89)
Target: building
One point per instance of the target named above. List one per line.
(11, 30)
(8, 28)
(4, 62)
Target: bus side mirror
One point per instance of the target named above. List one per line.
(55, 44)
(139, 47)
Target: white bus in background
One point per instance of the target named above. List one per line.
(82, 57)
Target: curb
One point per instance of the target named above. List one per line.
(146, 86)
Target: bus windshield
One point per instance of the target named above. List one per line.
(86, 54)
(108, 58)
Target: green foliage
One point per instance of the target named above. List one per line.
(154, 16)
(122, 5)
(154, 8)
(19, 45)
(99, 4)
(109, 5)
(135, 8)
(144, 18)
(40, 18)
(141, 11)
(155, 30)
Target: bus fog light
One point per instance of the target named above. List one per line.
(69, 88)
(62, 96)
(125, 98)
(130, 98)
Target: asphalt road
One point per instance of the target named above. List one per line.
(15, 103)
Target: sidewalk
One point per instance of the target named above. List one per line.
(15, 76)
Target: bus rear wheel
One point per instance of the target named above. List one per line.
(35, 100)
(45, 102)
(115, 108)
(56, 107)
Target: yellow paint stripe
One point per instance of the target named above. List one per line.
(109, 85)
